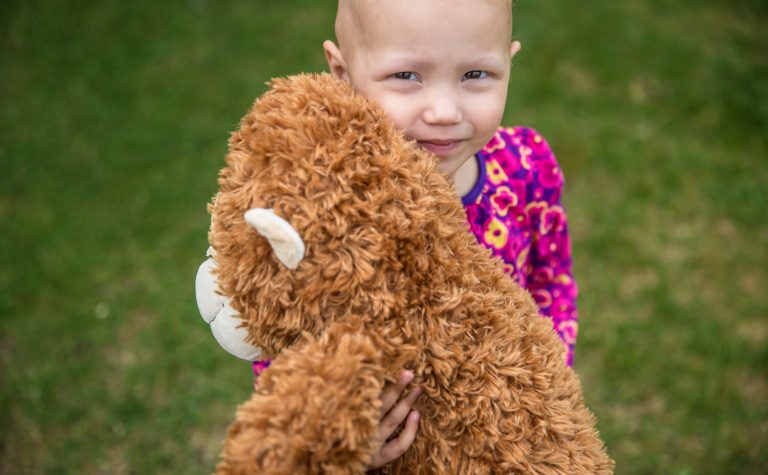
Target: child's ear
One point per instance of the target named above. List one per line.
(335, 59)
(514, 47)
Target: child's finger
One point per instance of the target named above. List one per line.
(398, 413)
(392, 392)
(397, 446)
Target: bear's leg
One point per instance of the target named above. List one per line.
(316, 411)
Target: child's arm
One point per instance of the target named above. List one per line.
(550, 275)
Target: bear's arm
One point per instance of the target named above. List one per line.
(316, 410)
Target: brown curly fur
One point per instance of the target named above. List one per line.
(391, 279)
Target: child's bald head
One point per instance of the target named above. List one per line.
(359, 23)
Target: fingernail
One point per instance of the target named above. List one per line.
(406, 377)
(415, 415)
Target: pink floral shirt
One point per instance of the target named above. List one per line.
(514, 209)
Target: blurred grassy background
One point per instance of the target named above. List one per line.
(114, 118)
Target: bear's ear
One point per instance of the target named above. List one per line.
(285, 241)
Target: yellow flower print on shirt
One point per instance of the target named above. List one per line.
(496, 234)
(568, 330)
(496, 173)
(503, 199)
(522, 257)
(543, 297)
(496, 143)
(525, 152)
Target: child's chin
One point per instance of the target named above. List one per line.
(451, 164)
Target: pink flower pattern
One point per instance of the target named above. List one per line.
(520, 189)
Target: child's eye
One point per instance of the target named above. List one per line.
(476, 74)
(406, 75)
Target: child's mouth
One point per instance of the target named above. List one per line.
(441, 148)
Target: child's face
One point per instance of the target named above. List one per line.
(439, 68)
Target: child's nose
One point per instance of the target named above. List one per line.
(443, 108)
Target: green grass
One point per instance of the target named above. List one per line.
(113, 123)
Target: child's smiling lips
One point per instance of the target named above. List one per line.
(440, 147)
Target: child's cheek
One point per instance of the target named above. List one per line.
(399, 110)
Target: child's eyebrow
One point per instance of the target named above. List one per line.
(408, 60)
(492, 62)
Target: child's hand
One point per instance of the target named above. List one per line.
(391, 417)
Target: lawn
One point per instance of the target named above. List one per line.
(114, 118)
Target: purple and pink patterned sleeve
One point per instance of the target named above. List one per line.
(259, 367)
(519, 217)
(549, 271)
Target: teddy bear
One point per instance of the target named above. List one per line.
(344, 254)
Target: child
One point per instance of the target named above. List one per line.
(440, 69)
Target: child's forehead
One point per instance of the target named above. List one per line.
(372, 5)
(362, 22)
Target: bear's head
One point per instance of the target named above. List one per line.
(326, 212)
